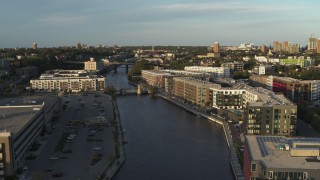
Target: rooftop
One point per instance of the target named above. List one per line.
(271, 151)
(266, 97)
(157, 72)
(15, 112)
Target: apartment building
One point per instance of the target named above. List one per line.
(281, 158)
(294, 89)
(154, 77)
(193, 90)
(68, 80)
(93, 65)
(234, 66)
(262, 69)
(218, 72)
(264, 112)
(227, 98)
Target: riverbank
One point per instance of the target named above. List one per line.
(234, 161)
(120, 155)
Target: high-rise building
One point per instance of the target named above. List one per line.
(312, 44)
(293, 48)
(318, 45)
(34, 46)
(263, 48)
(284, 46)
(276, 46)
(216, 47)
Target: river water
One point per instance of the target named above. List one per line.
(166, 142)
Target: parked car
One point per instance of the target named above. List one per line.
(97, 148)
(57, 174)
(25, 167)
(54, 158)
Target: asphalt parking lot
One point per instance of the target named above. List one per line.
(87, 150)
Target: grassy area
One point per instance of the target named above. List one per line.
(62, 142)
(95, 159)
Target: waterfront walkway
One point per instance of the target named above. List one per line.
(234, 160)
(120, 155)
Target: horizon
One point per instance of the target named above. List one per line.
(153, 23)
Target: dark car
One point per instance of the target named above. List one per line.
(67, 151)
(57, 174)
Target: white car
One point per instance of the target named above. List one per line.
(97, 148)
(54, 158)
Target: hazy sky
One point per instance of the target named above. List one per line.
(156, 22)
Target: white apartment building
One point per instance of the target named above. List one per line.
(68, 80)
(315, 90)
(218, 72)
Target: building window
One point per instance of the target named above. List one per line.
(253, 167)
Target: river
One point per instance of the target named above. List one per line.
(166, 142)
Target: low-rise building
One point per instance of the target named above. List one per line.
(294, 89)
(234, 66)
(93, 65)
(218, 72)
(297, 61)
(263, 69)
(193, 90)
(68, 80)
(209, 55)
(281, 158)
(154, 77)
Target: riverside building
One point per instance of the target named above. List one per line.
(264, 112)
(154, 77)
(22, 121)
(218, 72)
(281, 158)
(294, 89)
(68, 80)
(192, 90)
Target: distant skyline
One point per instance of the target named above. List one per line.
(166, 22)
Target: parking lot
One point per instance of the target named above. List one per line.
(80, 145)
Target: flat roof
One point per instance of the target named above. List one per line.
(15, 112)
(265, 149)
(266, 97)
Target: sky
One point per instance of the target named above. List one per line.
(53, 23)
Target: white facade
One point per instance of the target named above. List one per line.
(261, 59)
(68, 80)
(225, 91)
(315, 90)
(219, 72)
